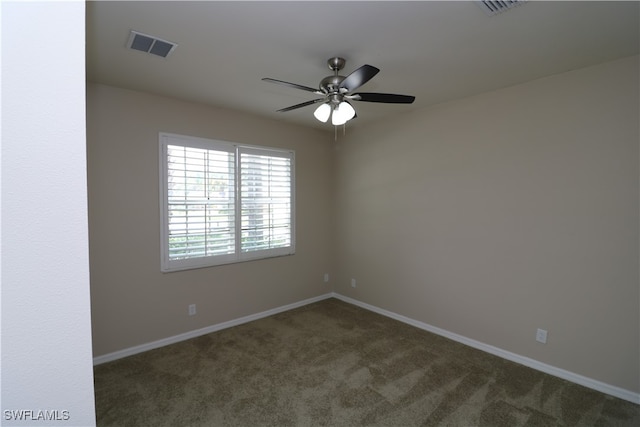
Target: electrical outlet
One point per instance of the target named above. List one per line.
(326, 277)
(192, 309)
(541, 336)
(353, 283)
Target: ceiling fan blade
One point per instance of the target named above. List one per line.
(293, 85)
(388, 98)
(359, 77)
(304, 104)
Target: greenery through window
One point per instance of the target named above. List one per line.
(224, 202)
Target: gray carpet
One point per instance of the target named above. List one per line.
(335, 364)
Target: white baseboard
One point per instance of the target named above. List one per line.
(531, 363)
(203, 331)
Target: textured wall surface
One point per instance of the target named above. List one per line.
(47, 374)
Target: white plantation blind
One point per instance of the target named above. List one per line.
(266, 198)
(200, 202)
(223, 203)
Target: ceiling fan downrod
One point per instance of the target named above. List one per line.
(330, 85)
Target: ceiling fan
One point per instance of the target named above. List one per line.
(337, 92)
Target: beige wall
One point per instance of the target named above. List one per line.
(505, 212)
(133, 303)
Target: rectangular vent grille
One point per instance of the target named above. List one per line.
(150, 44)
(494, 7)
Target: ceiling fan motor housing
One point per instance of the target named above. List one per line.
(331, 84)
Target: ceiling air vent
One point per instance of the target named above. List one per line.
(150, 44)
(493, 7)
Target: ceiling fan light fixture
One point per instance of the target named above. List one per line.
(346, 108)
(342, 114)
(323, 112)
(338, 119)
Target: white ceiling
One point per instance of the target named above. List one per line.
(436, 51)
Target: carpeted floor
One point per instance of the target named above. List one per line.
(335, 364)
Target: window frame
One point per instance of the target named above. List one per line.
(170, 265)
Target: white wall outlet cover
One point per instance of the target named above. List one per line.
(541, 336)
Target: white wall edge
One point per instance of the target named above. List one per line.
(522, 360)
(203, 331)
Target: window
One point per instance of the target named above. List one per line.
(223, 203)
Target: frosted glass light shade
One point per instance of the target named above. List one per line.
(342, 114)
(347, 109)
(323, 112)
